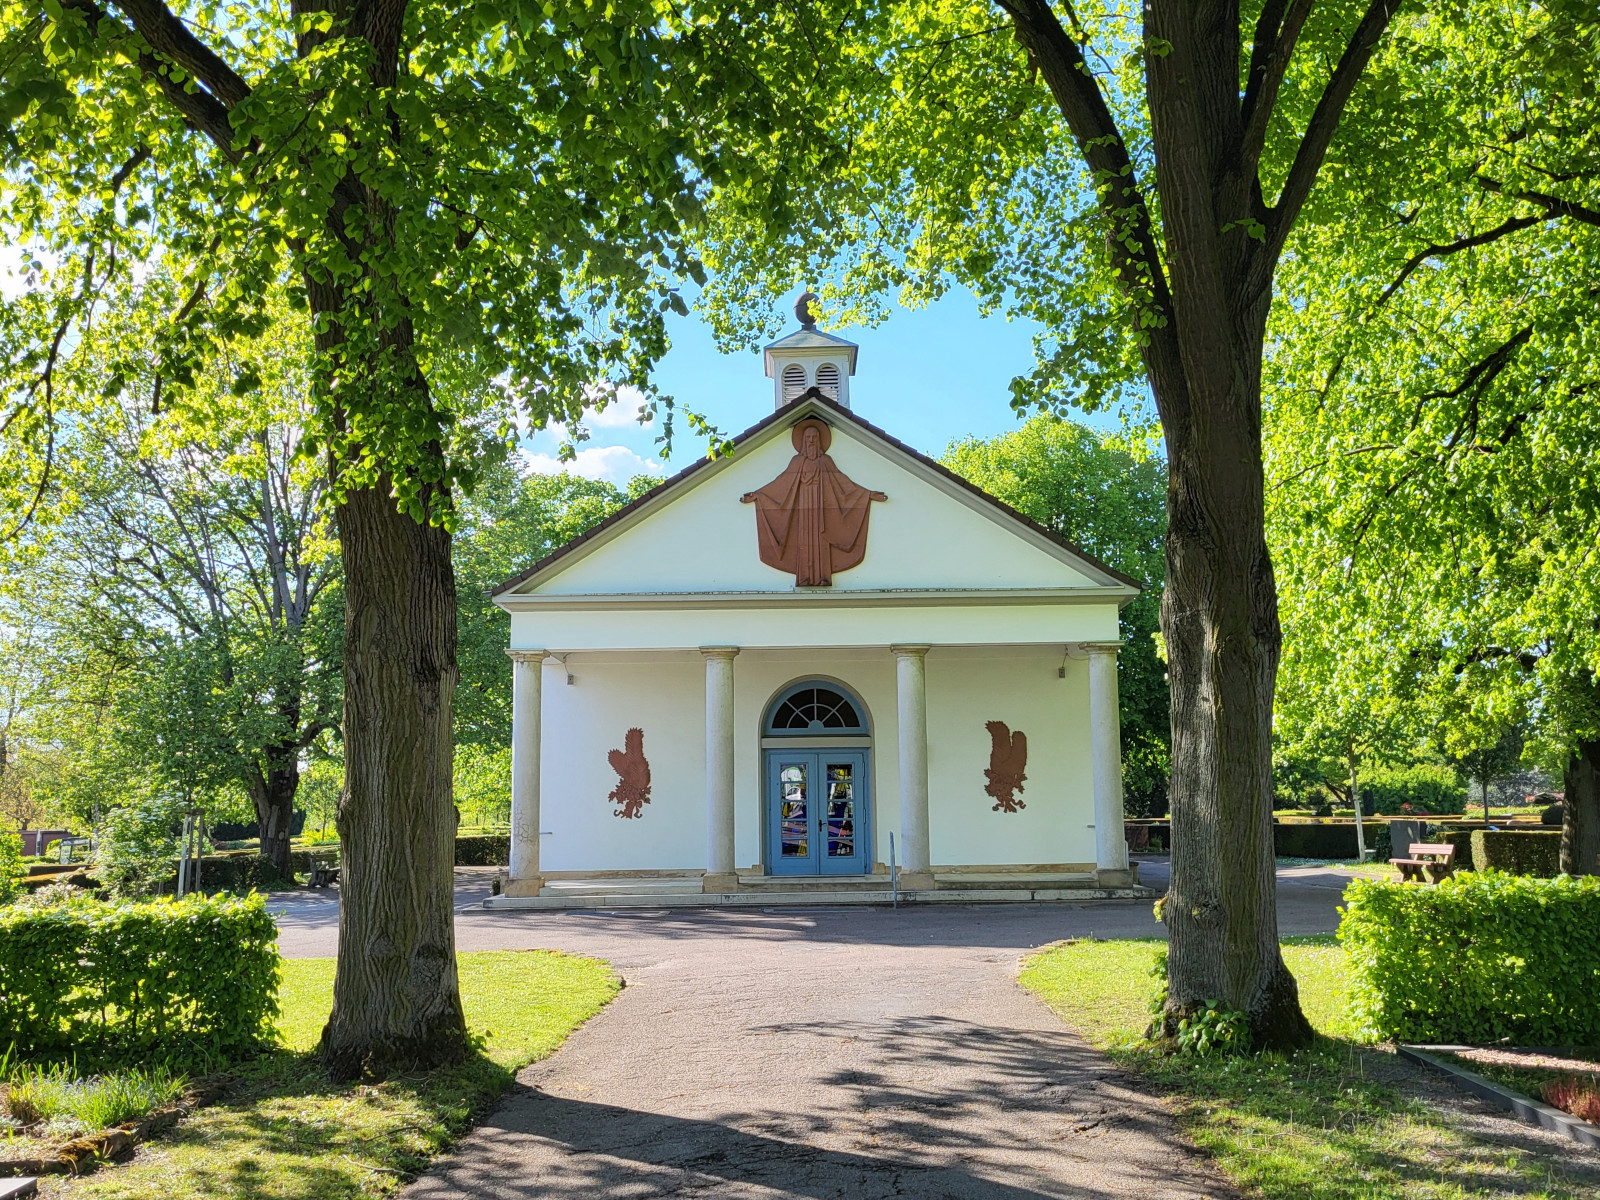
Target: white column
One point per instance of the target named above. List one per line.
(1105, 744)
(720, 876)
(527, 685)
(911, 689)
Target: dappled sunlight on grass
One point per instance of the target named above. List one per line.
(1333, 1122)
(286, 1133)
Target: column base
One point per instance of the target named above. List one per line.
(717, 881)
(527, 886)
(1107, 877)
(917, 881)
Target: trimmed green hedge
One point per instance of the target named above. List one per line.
(1517, 852)
(486, 850)
(1480, 957)
(1313, 840)
(198, 974)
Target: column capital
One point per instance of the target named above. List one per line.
(533, 656)
(719, 651)
(1082, 650)
(909, 651)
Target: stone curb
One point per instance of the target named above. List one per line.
(16, 1189)
(1525, 1109)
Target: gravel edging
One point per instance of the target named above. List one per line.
(1525, 1109)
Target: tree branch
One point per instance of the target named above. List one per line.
(203, 110)
(1505, 228)
(1324, 123)
(1269, 60)
(1553, 205)
(170, 38)
(1131, 237)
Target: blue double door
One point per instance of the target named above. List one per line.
(817, 812)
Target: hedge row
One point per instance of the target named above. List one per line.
(1514, 851)
(1311, 840)
(115, 979)
(486, 850)
(1480, 957)
(1517, 852)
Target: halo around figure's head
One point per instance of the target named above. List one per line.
(824, 435)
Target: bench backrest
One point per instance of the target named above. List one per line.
(1445, 850)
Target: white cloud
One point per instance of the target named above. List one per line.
(614, 464)
(623, 411)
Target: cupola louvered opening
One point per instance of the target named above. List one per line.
(794, 382)
(828, 380)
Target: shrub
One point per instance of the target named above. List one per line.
(1422, 788)
(1580, 1097)
(198, 974)
(1517, 852)
(1480, 957)
(1311, 840)
(11, 868)
(138, 845)
(490, 850)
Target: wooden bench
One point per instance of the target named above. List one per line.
(324, 871)
(1429, 862)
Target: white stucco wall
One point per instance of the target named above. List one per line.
(663, 693)
(1020, 686)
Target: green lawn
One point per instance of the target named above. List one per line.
(1324, 1124)
(288, 1133)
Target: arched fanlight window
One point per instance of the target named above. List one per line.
(813, 708)
(794, 382)
(828, 380)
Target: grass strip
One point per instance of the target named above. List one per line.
(1332, 1122)
(286, 1133)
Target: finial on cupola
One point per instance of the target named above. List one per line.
(809, 358)
(802, 309)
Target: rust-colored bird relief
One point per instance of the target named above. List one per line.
(632, 792)
(812, 519)
(1008, 760)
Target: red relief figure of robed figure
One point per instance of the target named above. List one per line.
(812, 519)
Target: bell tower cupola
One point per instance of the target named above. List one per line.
(809, 358)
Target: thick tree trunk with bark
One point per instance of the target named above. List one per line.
(1198, 294)
(272, 794)
(396, 1001)
(1580, 827)
(1219, 617)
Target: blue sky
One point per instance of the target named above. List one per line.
(927, 376)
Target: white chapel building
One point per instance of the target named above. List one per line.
(823, 666)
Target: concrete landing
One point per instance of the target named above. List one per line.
(614, 896)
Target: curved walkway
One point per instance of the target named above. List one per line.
(850, 1053)
(811, 1053)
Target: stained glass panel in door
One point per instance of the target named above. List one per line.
(794, 812)
(841, 812)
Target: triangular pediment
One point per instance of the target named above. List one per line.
(934, 532)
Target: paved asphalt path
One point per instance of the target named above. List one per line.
(788, 1053)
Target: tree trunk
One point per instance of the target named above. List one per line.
(275, 807)
(1219, 616)
(396, 1001)
(1580, 826)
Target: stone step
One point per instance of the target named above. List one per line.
(810, 899)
